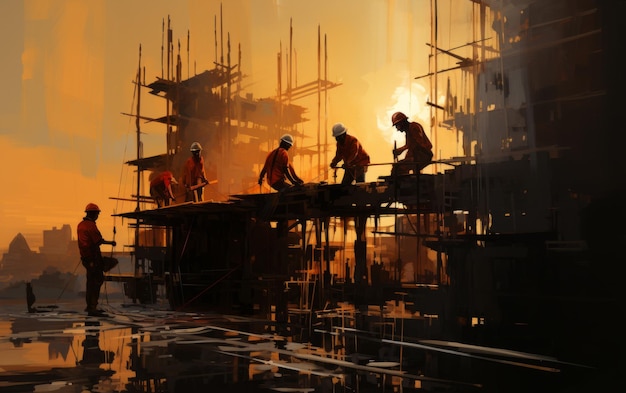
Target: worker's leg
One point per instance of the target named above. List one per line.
(95, 279)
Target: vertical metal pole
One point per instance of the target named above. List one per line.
(319, 103)
(139, 170)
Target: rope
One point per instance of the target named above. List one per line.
(68, 281)
(106, 292)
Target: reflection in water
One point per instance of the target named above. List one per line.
(95, 358)
(56, 350)
(143, 350)
(158, 351)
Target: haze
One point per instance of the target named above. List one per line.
(68, 67)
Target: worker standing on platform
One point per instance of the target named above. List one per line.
(417, 146)
(194, 176)
(89, 241)
(355, 158)
(161, 188)
(278, 168)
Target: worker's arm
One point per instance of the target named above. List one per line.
(398, 151)
(336, 159)
(170, 193)
(291, 175)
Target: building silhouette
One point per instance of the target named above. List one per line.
(56, 260)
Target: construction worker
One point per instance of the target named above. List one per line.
(418, 147)
(161, 188)
(355, 158)
(278, 168)
(194, 177)
(89, 241)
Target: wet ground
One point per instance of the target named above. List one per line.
(151, 349)
(141, 348)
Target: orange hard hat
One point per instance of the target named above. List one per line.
(398, 117)
(92, 207)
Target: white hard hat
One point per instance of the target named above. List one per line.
(195, 147)
(339, 129)
(287, 138)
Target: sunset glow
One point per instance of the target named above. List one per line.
(70, 66)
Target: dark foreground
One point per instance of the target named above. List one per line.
(151, 349)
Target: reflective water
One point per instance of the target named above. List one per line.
(139, 349)
(153, 349)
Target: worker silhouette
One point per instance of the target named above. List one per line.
(278, 168)
(417, 146)
(161, 188)
(193, 177)
(89, 241)
(351, 152)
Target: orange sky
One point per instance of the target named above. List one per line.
(68, 67)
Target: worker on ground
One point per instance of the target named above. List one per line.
(89, 241)
(161, 188)
(355, 158)
(417, 146)
(278, 168)
(194, 176)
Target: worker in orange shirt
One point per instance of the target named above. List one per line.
(355, 158)
(417, 146)
(89, 241)
(194, 174)
(161, 188)
(278, 168)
